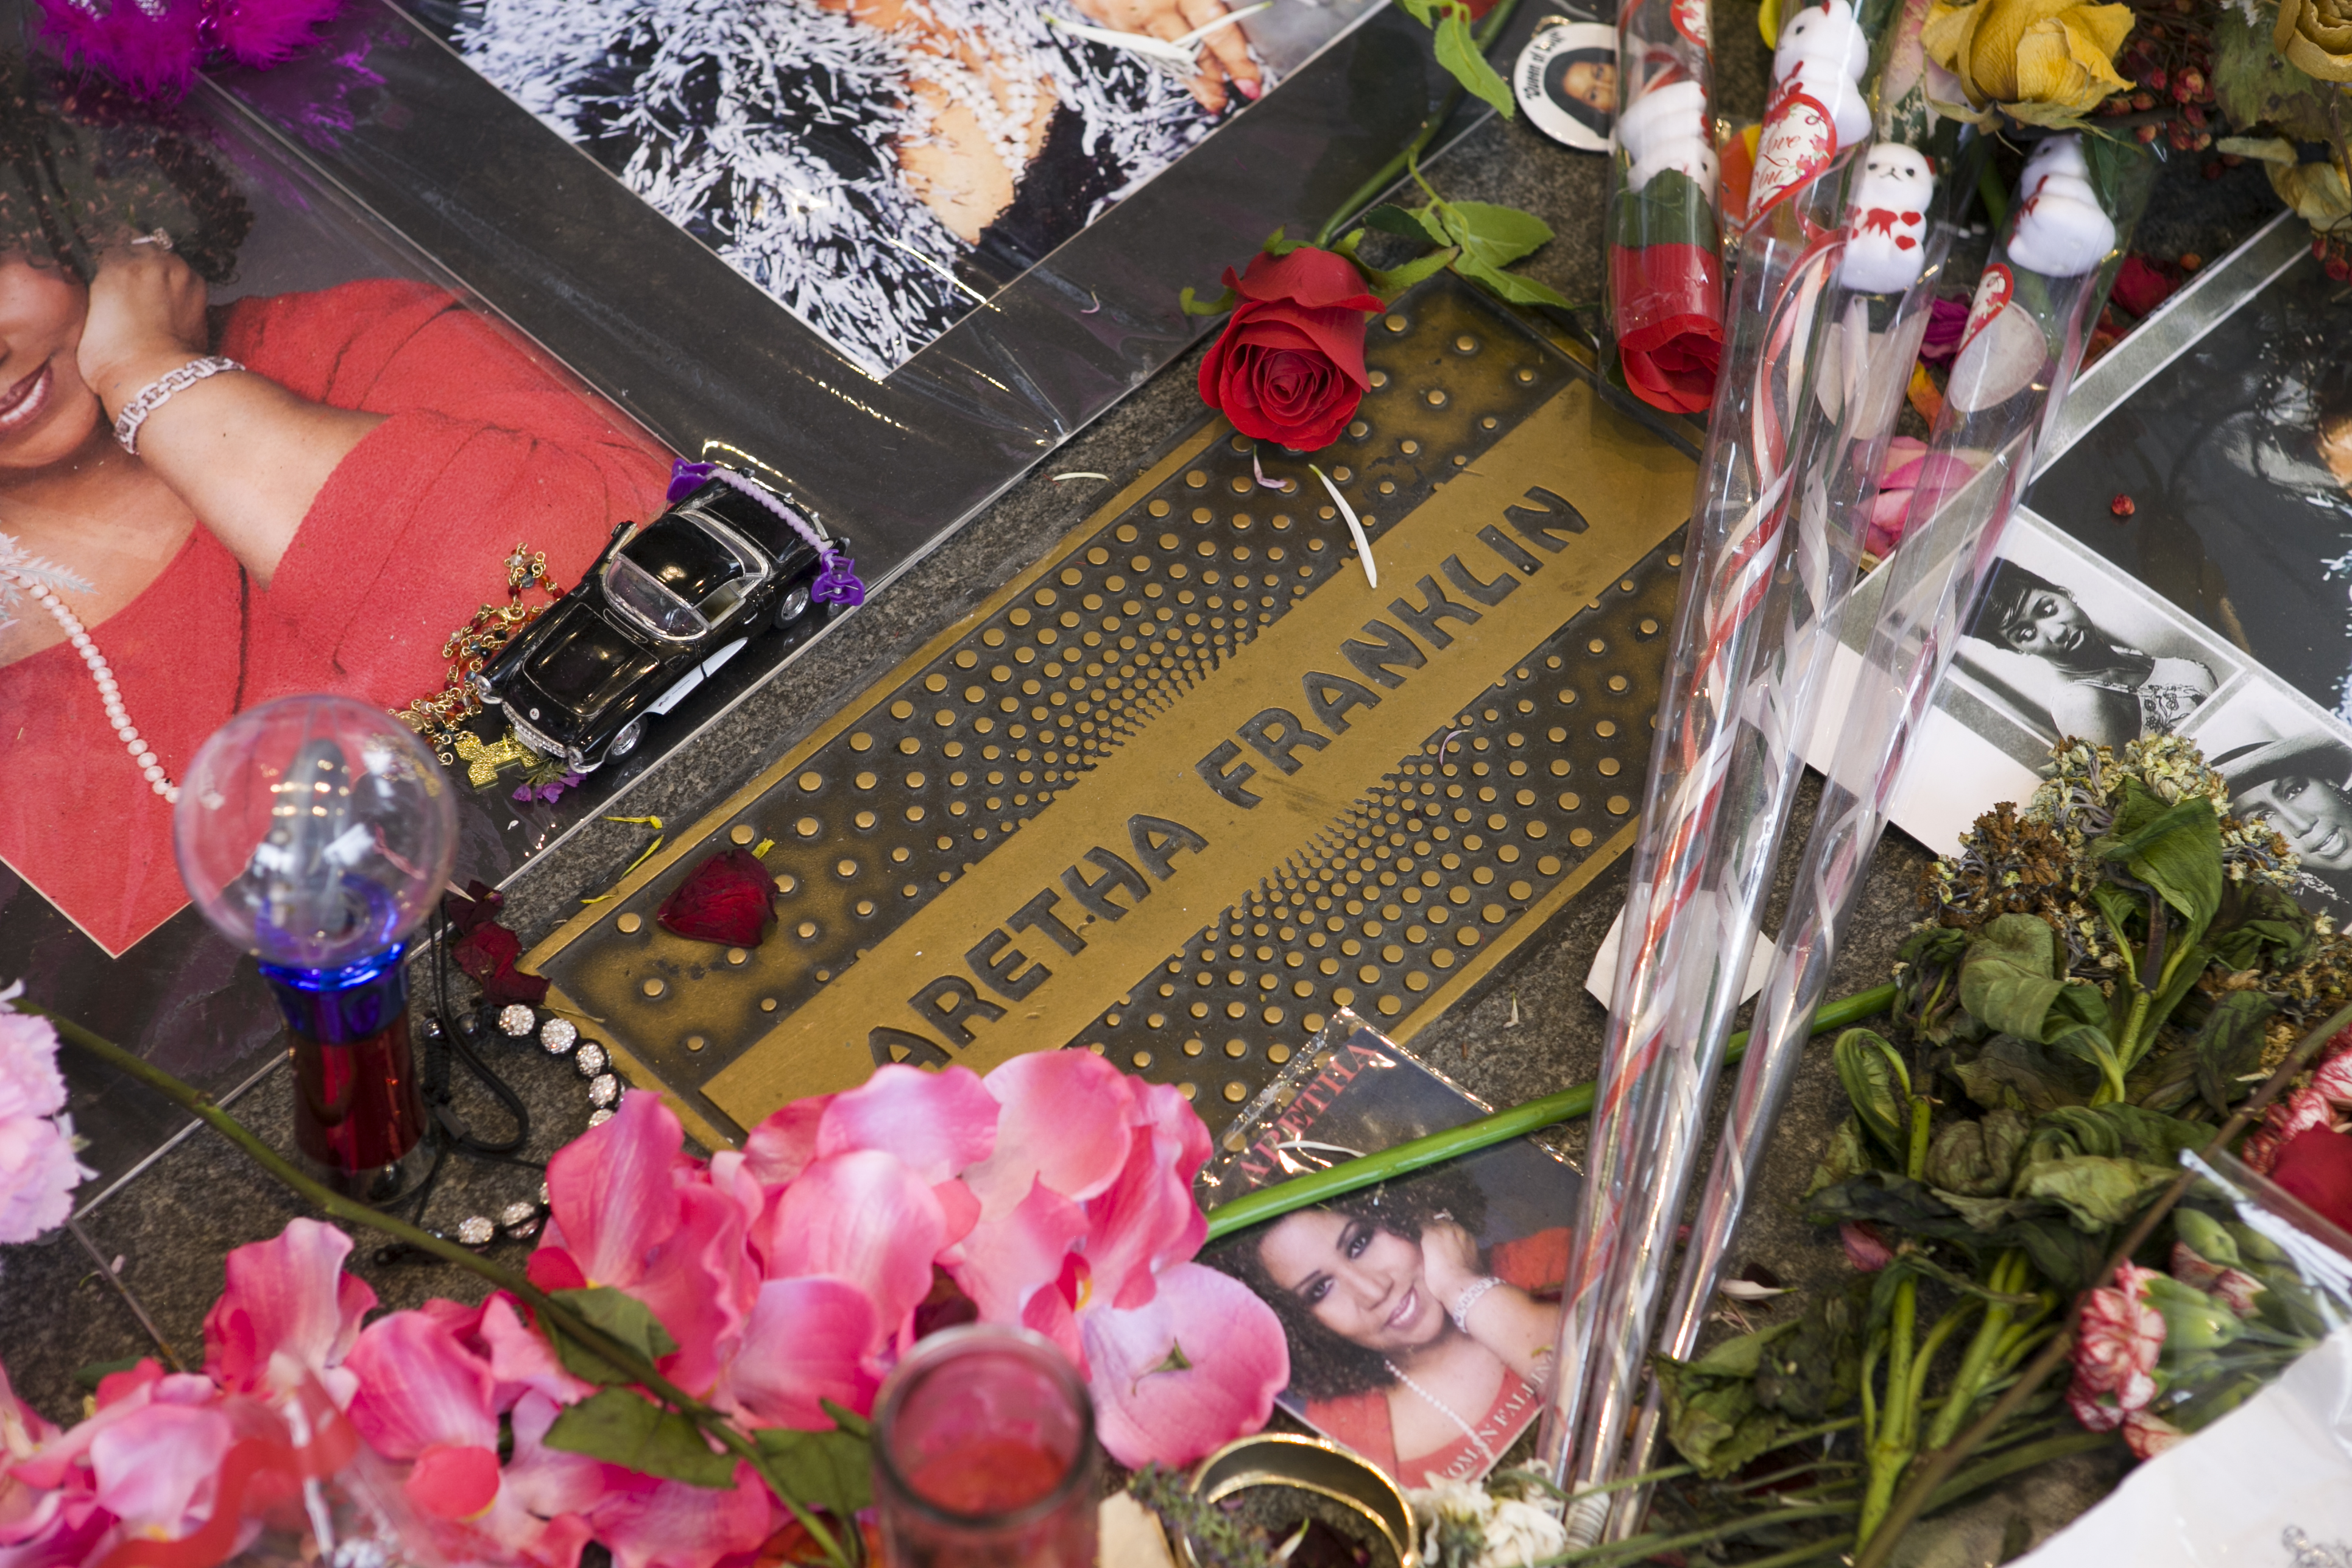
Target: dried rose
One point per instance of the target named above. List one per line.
(2042, 61)
(487, 951)
(2315, 37)
(726, 901)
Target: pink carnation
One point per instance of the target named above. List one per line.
(2116, 1341)
(2298, 1112)
(2147, 1436)
(37, 1169)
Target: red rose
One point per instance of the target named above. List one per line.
(727, 899)
(1290, 365)
(2316, 1166)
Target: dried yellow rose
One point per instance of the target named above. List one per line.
(2315, 37)
(2042, 61)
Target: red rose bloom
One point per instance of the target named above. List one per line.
(727, 899)
(1290, 365)
(2316, 1166)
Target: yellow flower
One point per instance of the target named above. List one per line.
(2315, 37)
(2042, 61)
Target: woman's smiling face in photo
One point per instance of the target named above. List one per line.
(2049, 624)
(1367, 1285)
(46, 412)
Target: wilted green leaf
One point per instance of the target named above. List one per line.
(1988, 1215)
(2073, 1130)
(2254, 86)
(1712, 1416)
(2260, 924)
(619, 1315)
(1891, 1203)
(2096, 1191)
(622, 1426)
(2176, 849)
(1847, 1157)
(2069, 1258)
(1457, 51)
(1977, 1156)
(2025, 1074)
(2009, 981)
(831, 1470)
(1818, 1368)
(2228, 1046)
(1879, 1086)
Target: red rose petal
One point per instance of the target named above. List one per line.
(727, 899)
(2316, 1166)
(1315, 278)
(1289, 367)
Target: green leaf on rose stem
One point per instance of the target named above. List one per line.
(1457, 51)
(2254, 86)
(1497, 235)
(622, 1426)
(1407, 223)
(617, 1314)
(848, 1420)
(831, 1470)
(1193, 305)
(1509, 285)
(1421, 11)
(1977, 1156)
(1879, 1086)
(1397, 280)
(2097, 1191)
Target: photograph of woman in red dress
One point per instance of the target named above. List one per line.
(316, 514)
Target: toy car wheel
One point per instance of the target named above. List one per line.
(626, 740)
(793, 604)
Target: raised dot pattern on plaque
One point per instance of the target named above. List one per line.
(1430, 868)
(913, 792)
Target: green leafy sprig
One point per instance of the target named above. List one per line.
(1459, 51)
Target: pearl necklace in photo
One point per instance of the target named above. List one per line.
(109, 691)
(1005, 115)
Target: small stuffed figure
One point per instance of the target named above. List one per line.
(2060, 230)
(1666, 129)
(1828, 35)
(1886, 220)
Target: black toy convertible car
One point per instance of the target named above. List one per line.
(667, 604)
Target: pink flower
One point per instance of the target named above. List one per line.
(37, 1169)
(2236, 1288)
(2117, 1340)
(288, 1297)
(1864, 1247)
(1946, 320)
(2298, 1112)
(2147, 1436)
(1187, 1374)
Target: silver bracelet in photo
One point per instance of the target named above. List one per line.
(1470, 1298)
(158, 392)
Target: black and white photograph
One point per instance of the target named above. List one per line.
(2067, 646)
(2291, 766)
(2224, 484)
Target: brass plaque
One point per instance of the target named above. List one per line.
(1191, 783)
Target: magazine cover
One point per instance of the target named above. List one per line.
(1420, 1313)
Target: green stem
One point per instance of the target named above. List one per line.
(1915, 1163)
(1653, 1544)
(1930, 1477)
(1420, 1154)
(351, 1211)
(1995, 199)
(1890, 1450)
(1381, 178)
(1977, 1361)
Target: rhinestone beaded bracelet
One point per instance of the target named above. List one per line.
(158, 392)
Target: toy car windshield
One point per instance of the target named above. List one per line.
(681, 574)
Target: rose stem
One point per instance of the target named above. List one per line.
(1371, 1170)
(1363, 195)
(200, 1105)
(1914, 1499)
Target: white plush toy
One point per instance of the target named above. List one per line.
(1666, 129)
(1825, 33)
(2060, 230)
(1886, 220)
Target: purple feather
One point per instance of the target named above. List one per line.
(264, 32)
(154, 56)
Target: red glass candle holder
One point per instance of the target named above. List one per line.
(359, 1121)
(984, 1454)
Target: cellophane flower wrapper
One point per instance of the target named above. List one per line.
(2225, 1364)
(1812, 375)
(1864, 343)
(1665, 240)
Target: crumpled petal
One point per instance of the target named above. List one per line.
(1196, 1368)
(419, 1387)
(611, 1189)
(1065, 1119)
(805, 1343)
(866, 1218)
(155, 1469)
(937, 1122)
(781, 1147)
(1148, 1219)
(669, 1524)
(288, 1294)
(696, 1284)
(1006, 1261)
